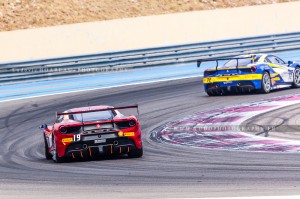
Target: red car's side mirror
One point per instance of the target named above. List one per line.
(43, 126)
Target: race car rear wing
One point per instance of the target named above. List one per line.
(200, 61)
(84, 124)
(97, 110)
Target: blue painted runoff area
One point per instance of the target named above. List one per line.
(100, 81)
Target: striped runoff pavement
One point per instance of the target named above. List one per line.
(221, 128)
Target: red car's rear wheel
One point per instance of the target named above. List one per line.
(55, 157)
(47, 154)
(137, 153)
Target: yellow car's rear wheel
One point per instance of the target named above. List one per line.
(266, 84)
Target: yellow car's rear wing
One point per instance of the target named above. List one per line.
(200, 61)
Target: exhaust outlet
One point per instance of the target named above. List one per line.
(116, 142)
(85, 146)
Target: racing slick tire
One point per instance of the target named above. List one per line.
(58, 159)
(217, 93)
(137, 153)
(296, 78)
(55, 157)
(265, 83)
(47, 154)
(209, 93)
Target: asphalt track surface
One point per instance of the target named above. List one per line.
(163, 171)
(285, 120)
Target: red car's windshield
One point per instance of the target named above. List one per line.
(94, 116)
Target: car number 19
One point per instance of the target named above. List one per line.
(76, 138)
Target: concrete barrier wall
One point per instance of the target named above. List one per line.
(150, 31)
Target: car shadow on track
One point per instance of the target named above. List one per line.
(100, 158)
(248, 93)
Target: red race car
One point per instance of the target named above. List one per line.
(89, 132)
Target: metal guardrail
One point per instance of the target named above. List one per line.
(151, 57)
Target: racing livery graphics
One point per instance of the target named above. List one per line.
(245, 73)
(89, 132)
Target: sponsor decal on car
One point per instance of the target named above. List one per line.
(66, 140)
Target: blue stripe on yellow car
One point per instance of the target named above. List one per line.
(207, 80)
